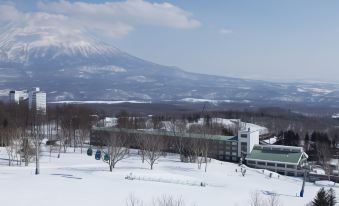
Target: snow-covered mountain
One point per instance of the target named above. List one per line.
(75, 66)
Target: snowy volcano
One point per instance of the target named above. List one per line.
(72, 65)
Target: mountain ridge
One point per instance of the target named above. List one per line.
(75, 66)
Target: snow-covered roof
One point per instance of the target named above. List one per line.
(277, 153)
(167, 133)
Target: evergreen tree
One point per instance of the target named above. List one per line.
(321, 199)
(331, 197)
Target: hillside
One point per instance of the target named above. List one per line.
(78, 179)
(76, 66)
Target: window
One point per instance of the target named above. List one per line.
(234, 143)
(234, 149)
(244, 146)
(250, 162)
(270, 164)
(234, 153)
(234, 158)
(281, 172)
(261, 163)
(281, 165)
(243, 135)
(290, 174)
(290, 166)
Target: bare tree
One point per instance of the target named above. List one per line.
(256, 199)
(153, 146)
(117, 149)
(141, 145)
(37, 135)
(273, 200)
(83, 136)
(323, 154)
(165, 200)
(201, 144)
(27, 150)
(10, 144)
(185, 149)
(168, 201)
(84, 126)
(133, 201)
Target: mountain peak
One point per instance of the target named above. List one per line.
(22, 44)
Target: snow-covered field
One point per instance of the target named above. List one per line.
(78, 179)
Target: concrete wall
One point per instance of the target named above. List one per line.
(252, 138)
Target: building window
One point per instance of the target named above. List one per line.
(290, 174)
(290, 166)
(270, 164)
(261, 163)
(281, 172)
(281, 165)
(250, 162)
(234, 143)
(243, 135)
(244, 146)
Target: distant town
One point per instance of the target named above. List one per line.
(34, 98)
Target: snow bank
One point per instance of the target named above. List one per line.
(271, 140)
(78, 179)
(325, 183)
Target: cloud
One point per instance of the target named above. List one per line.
(110, 19)
(225, 31)
(9, 13)
(131, 12)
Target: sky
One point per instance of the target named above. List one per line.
(284, 40)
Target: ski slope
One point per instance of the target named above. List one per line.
(78, 179)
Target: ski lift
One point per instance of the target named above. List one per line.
(98, 155)
(106, 157)
(89, 152)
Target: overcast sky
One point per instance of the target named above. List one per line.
(271, 40)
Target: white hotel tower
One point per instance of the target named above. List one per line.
(37, 100)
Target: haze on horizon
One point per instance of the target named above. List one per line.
(282, 41)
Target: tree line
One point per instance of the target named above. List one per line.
(22, 131)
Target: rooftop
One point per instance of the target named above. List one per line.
(169, 133)
(277, 153)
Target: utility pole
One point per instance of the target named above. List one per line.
(304, 179)
(303, 186)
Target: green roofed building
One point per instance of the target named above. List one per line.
(220, 147)
(285, 160)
